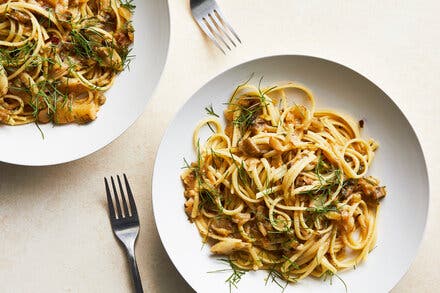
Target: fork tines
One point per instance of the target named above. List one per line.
(127, 211)
(125, 223)
(214, 25)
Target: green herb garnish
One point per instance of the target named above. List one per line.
(239, 86)
(210, 111)
(236, 275)
(82, 46)
(322, 210)
(246, 116)
(126, 58)
(276, 277)
(329, 275)
(128, 4)
(261, 93)
(243, 176)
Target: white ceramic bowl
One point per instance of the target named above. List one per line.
(399, 163)
(126, 100)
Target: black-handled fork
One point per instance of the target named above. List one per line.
(125, 223)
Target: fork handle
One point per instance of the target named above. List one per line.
(134, 271)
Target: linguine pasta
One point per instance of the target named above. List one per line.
(283, 187)
(58, 57)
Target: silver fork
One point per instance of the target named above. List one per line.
(213, 23)
(125, 223)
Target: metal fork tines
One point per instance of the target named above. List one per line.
(125, 222)
(213, 23)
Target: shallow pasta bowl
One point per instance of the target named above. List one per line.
(399, 163)
(126, 100)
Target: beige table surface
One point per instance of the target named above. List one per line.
(54, 231)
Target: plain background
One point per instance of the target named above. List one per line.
(55, 234)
